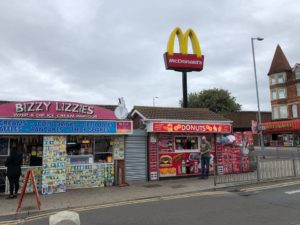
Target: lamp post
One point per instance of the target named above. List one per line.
(154, 100)
(257, 95)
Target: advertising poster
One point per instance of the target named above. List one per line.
(54, 162)
(118, 148)
(179, 164)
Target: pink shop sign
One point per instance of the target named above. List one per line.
(55, 110)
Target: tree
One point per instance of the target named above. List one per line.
(217, 100)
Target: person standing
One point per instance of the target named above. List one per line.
(205, 149)
(13, 164)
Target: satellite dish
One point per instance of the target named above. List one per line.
(121, 111)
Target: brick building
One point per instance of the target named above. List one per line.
(284, 83)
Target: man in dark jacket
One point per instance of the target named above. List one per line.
(13, 164)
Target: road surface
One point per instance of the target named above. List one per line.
(274, 205)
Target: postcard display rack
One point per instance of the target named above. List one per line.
(37, 171)
(90, 175)
(54, 162)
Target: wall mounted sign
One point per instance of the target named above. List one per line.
(55, 110)
(190, 127)
(36, 126)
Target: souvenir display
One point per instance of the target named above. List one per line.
(118, 148)
(37, 172)
(89, 175)
(54, 162)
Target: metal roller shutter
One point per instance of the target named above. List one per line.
(136, 156)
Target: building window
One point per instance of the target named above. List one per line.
(278, 78)
(297, 74)
(298, 89)
(274, 94)
(275, 112)
(273, 80)
(281, 93)
(295, 111)
(283, 111)
(279, 112)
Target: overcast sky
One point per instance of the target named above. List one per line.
(93, 51)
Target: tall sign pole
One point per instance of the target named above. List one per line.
(183, 61)
(184, 89)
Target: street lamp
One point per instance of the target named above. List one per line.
(154, 100)
(257, 95)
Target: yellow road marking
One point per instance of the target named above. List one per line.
(269, 186)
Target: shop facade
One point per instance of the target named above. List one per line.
(174, 138)
(67, 145)
(282, 133)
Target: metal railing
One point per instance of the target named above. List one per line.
(262, 166)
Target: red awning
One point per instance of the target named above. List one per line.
(280, 126)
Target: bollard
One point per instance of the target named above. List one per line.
(64, 218)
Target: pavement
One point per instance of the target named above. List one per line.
(95, 196)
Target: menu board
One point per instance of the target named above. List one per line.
(153, 157)
(37, 171)
(165, 142)
(118, 148)
(4, 146)
(89, 175)
(54, 161)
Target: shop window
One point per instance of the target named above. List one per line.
(103, 149)
(31, 148)
(295, 111)
(281, 93)
(4, 146)
(186, 143)
(79, 145)
(274, 94)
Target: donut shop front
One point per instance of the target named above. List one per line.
(174, 138)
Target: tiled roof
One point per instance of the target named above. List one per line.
(166, 113)
(243, 119)
(279, 62)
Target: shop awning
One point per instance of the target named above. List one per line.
(280, 126)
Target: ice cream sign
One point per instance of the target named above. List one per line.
(54, 109)
(190, 127)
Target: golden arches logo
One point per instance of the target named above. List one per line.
(183, 42)
(184, 61)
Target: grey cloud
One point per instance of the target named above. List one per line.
(96, 51)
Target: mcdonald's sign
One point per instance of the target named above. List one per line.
(183, 61)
